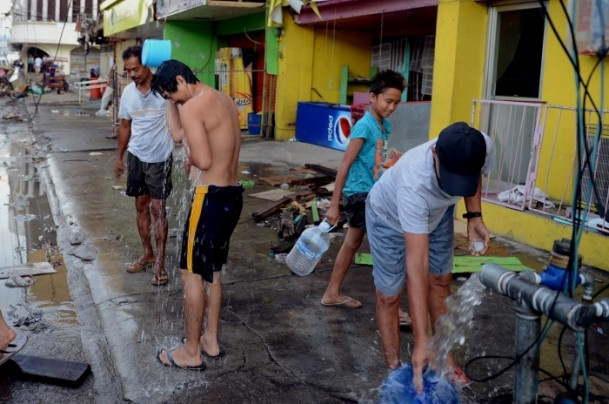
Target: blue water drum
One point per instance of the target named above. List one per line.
(399, 388)
(155, 52)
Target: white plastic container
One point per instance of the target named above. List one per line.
(308, 250)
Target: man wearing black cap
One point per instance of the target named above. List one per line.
(409, 212)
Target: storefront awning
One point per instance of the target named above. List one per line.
(359, 15)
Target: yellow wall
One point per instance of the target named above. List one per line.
(540, 232)
(312, 58)
(559, 88)
(459, 62)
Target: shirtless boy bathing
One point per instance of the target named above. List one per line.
(207, 122)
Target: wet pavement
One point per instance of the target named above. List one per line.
(281, 344)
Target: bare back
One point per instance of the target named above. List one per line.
(213, 133)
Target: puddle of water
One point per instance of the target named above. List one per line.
(28, 235)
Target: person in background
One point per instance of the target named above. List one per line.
(361, 166)
(207, 121)
(144, 134)
(409, 216)
(37, 64)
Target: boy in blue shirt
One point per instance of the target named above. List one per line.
(362, 165)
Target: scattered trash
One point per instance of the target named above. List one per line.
(96, 153)
(19, 282)
(11, 116)
(281, 258)
(247, 183)
(323, 203)
(284, 186)
(599, 330)
(25, 218)
(117, 187)
(54, 111)
(22, 315)
(245, 172)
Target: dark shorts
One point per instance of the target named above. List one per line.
(354, 207)
(152, 179)
(213, 216)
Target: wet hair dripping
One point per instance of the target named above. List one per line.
(164, 79)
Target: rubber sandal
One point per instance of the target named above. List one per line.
(138, 266)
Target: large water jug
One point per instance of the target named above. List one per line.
(308, 250)
(399, 388)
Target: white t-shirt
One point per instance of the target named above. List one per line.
(408, 195)
(150, 139)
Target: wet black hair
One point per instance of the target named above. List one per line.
(164, 78)
(133, 51)
(387, 79)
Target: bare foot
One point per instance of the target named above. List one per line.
(209, 346)
(6, 336)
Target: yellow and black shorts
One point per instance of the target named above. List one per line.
(213, 216)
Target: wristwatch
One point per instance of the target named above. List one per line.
(470, 215)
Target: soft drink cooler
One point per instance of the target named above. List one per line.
(323, 124)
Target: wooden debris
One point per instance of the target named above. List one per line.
(34, 268)
(271, 209)
(273, 195)
(330, 172)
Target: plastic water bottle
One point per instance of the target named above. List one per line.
(308, 250)
(399, 388)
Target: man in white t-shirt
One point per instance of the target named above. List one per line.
(409, 216)
(144, 134)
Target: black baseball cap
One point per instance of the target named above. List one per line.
(461, 151)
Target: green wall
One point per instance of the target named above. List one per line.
(239, 25)
(193, 43)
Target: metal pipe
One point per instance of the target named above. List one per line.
(526, 379)
(553, 304)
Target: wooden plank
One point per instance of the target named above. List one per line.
(273, 195)
(271, 209)
(330, 172)
(28, 269)
(276, 207)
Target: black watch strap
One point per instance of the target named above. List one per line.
(470, 215)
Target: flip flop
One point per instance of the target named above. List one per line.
(348, 302)
(405, 320)
(15, 346)
(138, 266)
(220, 355)
(173, 364)
(159, 281)
(213, 357)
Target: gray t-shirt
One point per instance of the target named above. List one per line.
(150, 140)
(408, 195)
